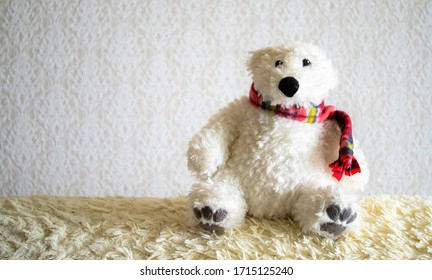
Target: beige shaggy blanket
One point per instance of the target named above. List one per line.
(44, 227)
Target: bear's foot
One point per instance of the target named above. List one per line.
(340, 219)
(209, 219)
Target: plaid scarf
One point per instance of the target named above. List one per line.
(346, 163)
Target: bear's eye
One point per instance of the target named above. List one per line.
(279, 63)
(306, 62)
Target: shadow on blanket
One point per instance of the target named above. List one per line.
(44, 227)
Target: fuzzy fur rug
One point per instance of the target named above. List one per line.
(43, 227)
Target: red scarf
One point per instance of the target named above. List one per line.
(346, 163)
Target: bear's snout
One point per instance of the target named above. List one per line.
(289, 86)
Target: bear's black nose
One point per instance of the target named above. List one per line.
(288, 86)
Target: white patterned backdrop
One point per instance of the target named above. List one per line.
(101, 97)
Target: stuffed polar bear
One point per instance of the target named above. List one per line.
(281, 152)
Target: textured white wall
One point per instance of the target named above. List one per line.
(102, 97)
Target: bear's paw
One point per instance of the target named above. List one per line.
(341, 218)
(210, 219)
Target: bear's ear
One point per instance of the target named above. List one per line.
(258, 60)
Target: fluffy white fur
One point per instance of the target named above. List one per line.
(247, 160)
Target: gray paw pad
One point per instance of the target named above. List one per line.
(207, 212)
(340, 218)
(332, 228)
(197, 213)
(209, 217)
(333, 211)
(213, 228)
(220, 215)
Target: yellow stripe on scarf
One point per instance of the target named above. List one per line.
(312, 115)
(273, 109)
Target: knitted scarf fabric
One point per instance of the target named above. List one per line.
(346, 164)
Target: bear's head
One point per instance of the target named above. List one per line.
(299, 74)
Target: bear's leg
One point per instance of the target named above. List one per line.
(217, 204)
(328, 211)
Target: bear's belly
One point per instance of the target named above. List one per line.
(275, 157)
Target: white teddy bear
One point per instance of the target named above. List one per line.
(281, 152)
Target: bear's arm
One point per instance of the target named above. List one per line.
(209, 148)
